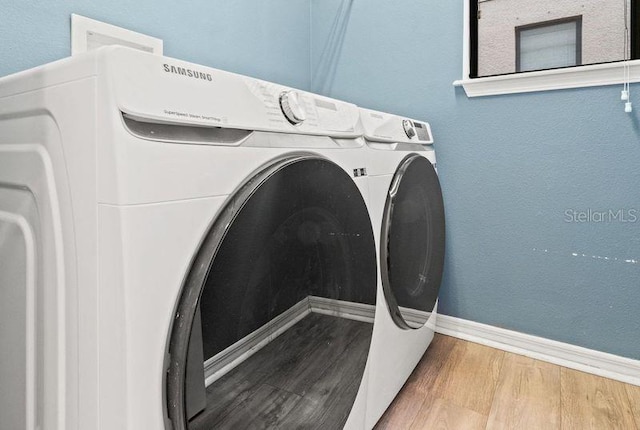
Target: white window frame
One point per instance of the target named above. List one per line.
(542, 80)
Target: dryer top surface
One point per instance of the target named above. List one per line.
(388, 128)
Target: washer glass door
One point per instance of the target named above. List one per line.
(412, 242)
(284, 285)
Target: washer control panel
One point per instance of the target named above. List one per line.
(176, 92)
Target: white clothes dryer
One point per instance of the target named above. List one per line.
(407, 212)
(182, 247)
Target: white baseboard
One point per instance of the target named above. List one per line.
(223, 362)
(563, 354)
(415, 316)
(342, 309)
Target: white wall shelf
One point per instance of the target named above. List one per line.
(545, 80)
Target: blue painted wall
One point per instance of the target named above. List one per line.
(510, 167)
(264, 39)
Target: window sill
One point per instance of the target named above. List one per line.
(546, 80)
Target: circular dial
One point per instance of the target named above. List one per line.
(291, 108)
(408, 128)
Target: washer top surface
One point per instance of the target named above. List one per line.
(165, 90)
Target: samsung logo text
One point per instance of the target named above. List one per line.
(187, 72)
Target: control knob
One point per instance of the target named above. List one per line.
(291, 108)
(408, 128)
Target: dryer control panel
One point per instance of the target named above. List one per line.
(388, 128)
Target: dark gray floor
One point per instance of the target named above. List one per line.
(307, 378)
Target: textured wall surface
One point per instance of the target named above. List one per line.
(602, 29)
(510, 167)
(264, 39)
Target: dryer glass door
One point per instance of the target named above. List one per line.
(412, 242)
(285, 283)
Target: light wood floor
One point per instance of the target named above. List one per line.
(462, 385)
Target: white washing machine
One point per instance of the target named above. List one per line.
(183, 247)
(407, 212)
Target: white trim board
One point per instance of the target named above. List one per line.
(226, 360)
(340, 308)
(563, 354)
(594, 75)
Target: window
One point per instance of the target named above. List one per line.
(543, 32)
(506, 40)
(548, 45)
